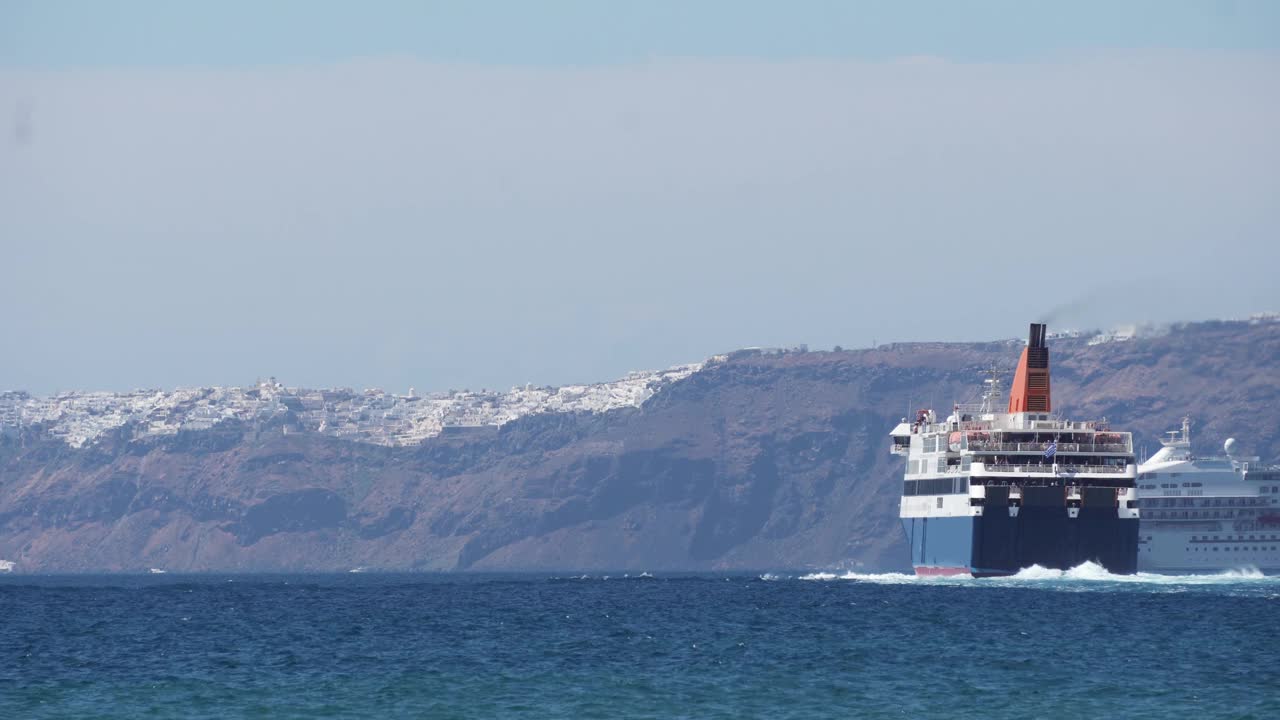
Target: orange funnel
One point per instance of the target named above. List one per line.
(1031, 381)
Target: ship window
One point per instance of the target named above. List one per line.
(929, 486)
(939, 502)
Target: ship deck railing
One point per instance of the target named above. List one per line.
(1061, 469)
(1039, 447)
(1003, 426)
(974, 421)
(1087, 425)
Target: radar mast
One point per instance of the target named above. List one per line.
(991, 395)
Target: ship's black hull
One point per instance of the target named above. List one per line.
(996, 543)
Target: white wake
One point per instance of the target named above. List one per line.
(1082, 576)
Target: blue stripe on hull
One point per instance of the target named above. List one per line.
(944, 542)
(997, 544)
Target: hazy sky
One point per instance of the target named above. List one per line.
(484, 194)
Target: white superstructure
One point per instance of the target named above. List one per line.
(1207, 514)
(1010, 450)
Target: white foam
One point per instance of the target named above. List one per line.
(1083, 571)
(879, 578)
(1096, 573)
(1082, 576)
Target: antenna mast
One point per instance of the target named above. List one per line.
(991, 395)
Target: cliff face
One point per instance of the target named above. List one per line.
(759, 461)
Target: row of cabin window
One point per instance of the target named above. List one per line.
(1207, 502)
(1229, 538)
(1234, 548)
(935, 486)
(1194, 514)
(1265, 489)
(939, 464)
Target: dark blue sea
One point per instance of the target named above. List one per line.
(1043, 644)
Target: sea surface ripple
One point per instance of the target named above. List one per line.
(1043, 644)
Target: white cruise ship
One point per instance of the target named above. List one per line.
(1207, 514)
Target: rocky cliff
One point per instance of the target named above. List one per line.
(756, 460)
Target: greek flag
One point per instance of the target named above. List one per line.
(1050, 451)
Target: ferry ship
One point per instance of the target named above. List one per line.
(995, 488)
(1207, 514)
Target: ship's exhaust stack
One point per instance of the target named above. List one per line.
(1031, 380)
